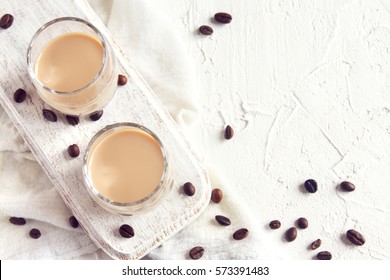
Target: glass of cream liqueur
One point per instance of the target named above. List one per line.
(126, 168)
(72, 66)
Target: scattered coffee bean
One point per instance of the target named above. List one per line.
(35, 233)
(196, 253)
(20, 95)
(311, 185)
(347, 186)
(205, 30)
(302, 223)
(6, 21)
(49, 115)
(17, 221)
(291, 234)
(216, 195)
(73, 222)
(189, 189)
(229, 132)
(356, 237)
(73, 150)
(223, 18)
(96, 115)
(222, 220)
(126, 231)
(324, 255)
(316, 244)
(122, 80)
(72, 120)
(275, 224)
(240, 234)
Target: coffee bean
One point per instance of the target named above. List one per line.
(72, 120)
(20, 95)
(49, 115)
(96, 115)
(356, 237)
(291, 234)
(122, 80)
(223, 17)
(216, 195)
(35, 233)
(6, 21)
(17, 221)
(73, 222)
(311, 185)
(275, 224)
(222, 220)
(229, 132)
(73, 150)
(316, 244)
(205, 30)
(324, 255)
(196, 253)
(240, 234)
(302, 223)
(189, 189)
(347, 186)
(126, 231)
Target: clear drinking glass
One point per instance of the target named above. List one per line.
(89, 98)
(127, 208)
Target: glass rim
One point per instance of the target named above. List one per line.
(52, 22)
(89, 151)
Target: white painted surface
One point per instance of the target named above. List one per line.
(305, 84)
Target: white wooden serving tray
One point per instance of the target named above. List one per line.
(134, 102)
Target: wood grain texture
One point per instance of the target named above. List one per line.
(134, 102)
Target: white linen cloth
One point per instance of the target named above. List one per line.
(150, 40)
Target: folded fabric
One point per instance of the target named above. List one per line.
(149, 39)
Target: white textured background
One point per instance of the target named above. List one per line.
(305, 84)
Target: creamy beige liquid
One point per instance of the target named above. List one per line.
(70, 62)
(126, 166)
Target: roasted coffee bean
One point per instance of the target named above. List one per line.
(216, 195)
(347, 186)
(49, 115)
(316, 244)
(311, 185)
(205, 30)
(196, 253)
(324, 255)
(222, 220)
(17, 221)
(356, 237)
(6, 21)
(291, 234)
(72, 120)
(122, 80)
(96, 115)
(189, 189)
(223, 18)
(126, 231)
(73, 222)
(240, 234)
(302, 223)
(73, 150)
(229, 132)
(275, 224)
(20, 95)
(35, 233)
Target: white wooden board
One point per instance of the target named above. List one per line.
(134, 102)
